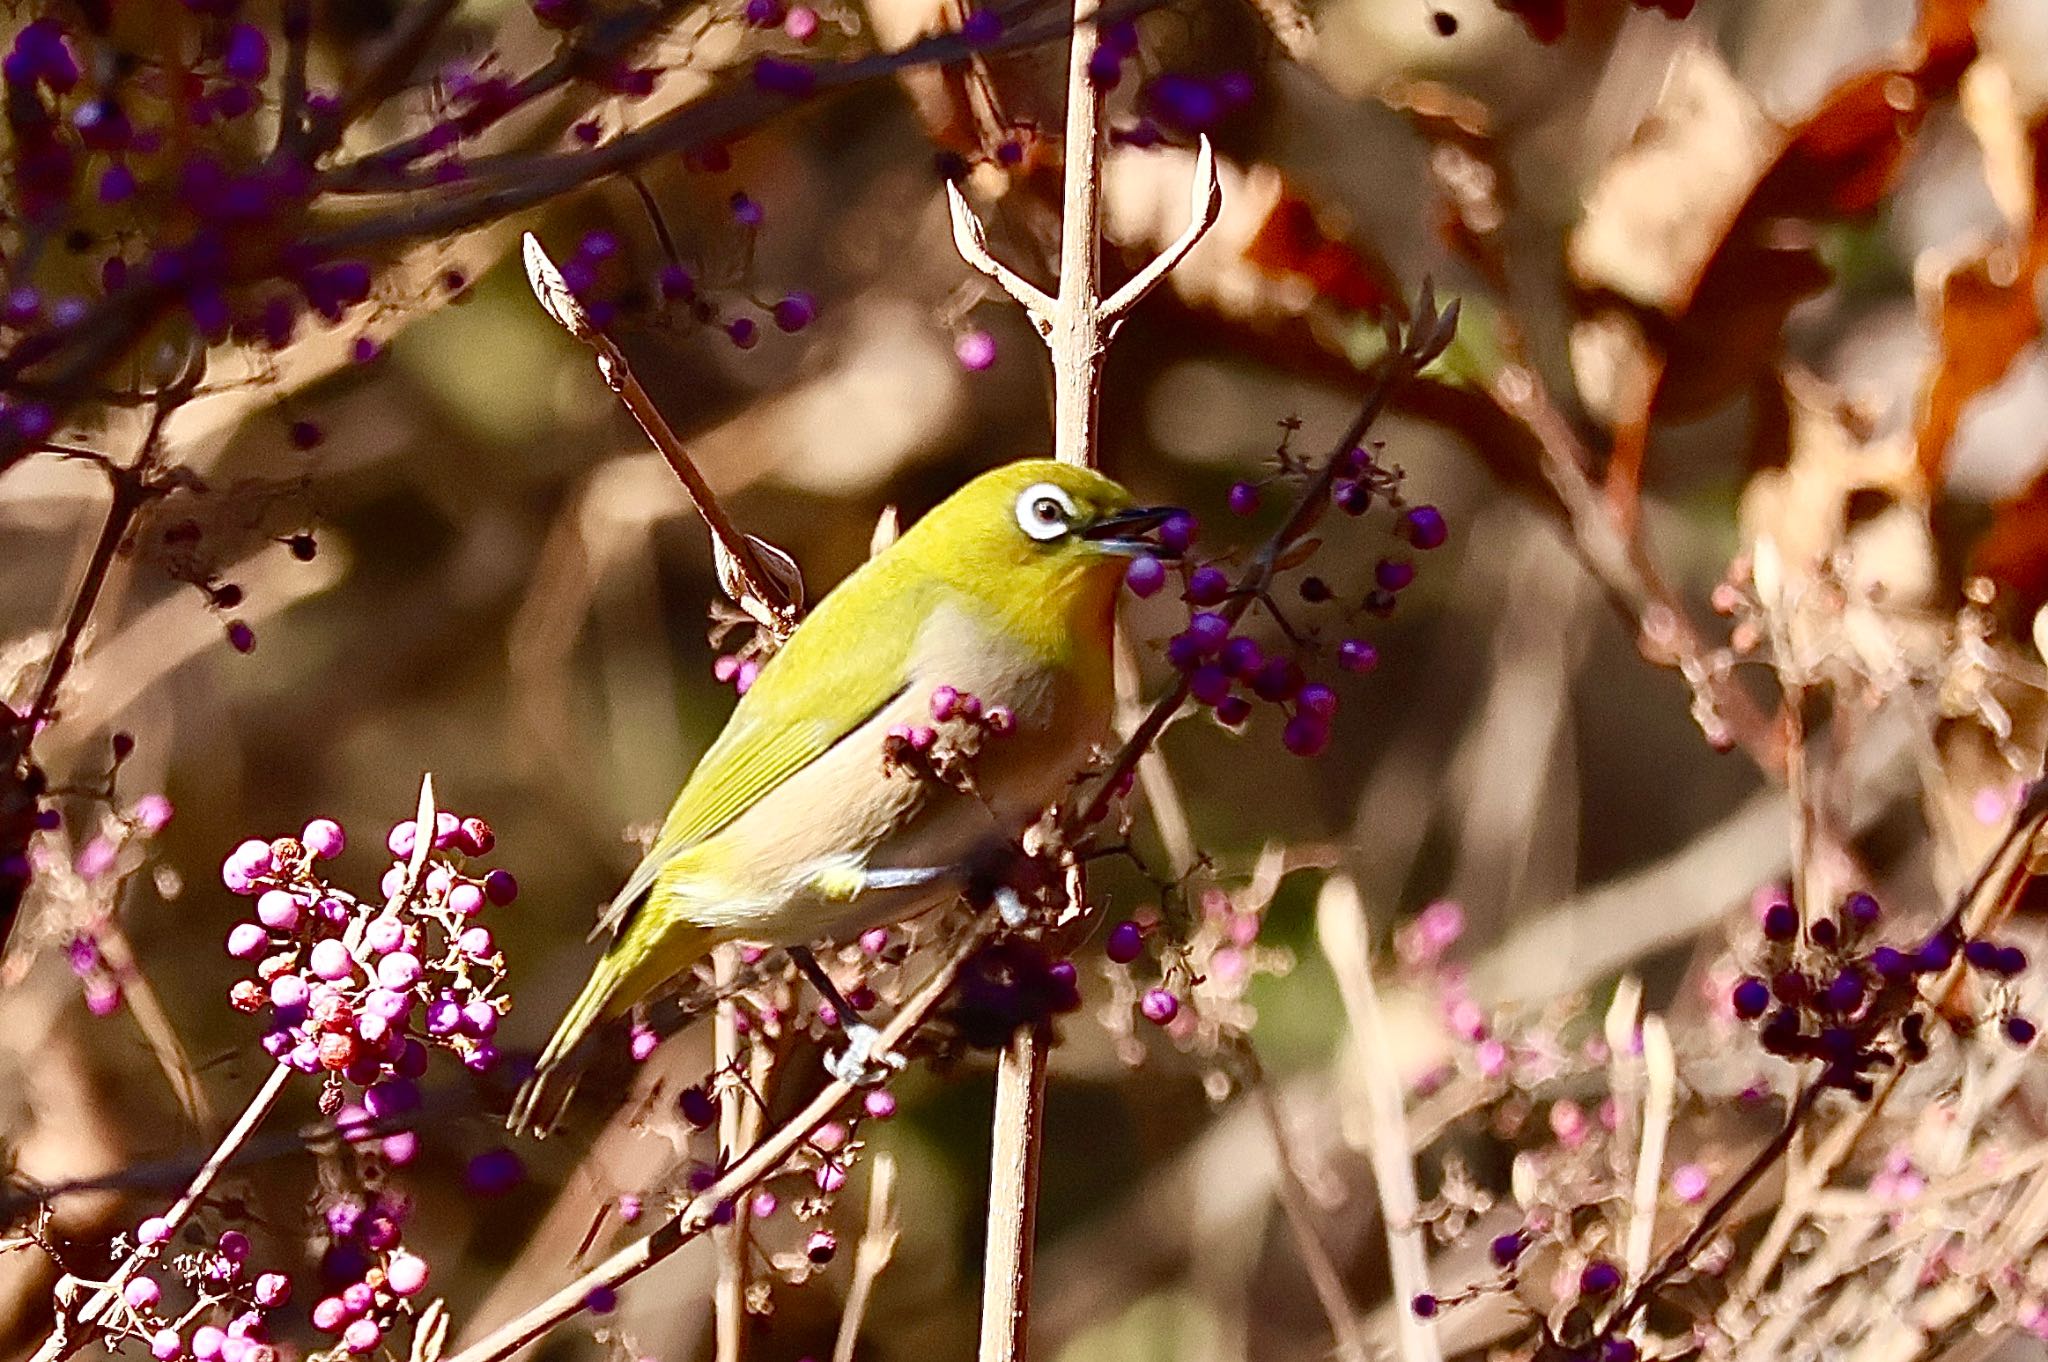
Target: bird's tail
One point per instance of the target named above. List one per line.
(619, 981)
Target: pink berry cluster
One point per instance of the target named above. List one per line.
(1204, 969)
(370, 1276)
(208, 1303)
(360, 989)
(1229, 671)
(944, 749)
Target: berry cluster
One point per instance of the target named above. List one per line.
(1828, 994)
(370, 1277)
(1228, 671)
(359, 990)
(206, 1303)
(608, 285)
(944, 750)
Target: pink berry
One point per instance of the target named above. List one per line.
(399, 842)
(361, 1335)
(273, 1289)
(976, 350)
(801, 23)
(324, 838)
(142, 1293)
(247, 941)
(154, 1230)
(277, 910)
(166, 1346)
(880, 1103)
(331, 960)
(466, 899)
(1159, 1006)
(398, 970)
(206, 1342)
(406, 1273)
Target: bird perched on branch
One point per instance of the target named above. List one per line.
(941, 697)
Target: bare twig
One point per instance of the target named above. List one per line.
(877, 1246)
(1340, 928)
(774, 596)
(703, 1210)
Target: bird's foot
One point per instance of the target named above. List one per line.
(864, 1063)
(1011, 907)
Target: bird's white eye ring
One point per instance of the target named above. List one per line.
(1044, 511)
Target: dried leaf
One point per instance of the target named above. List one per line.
(1985, 312)
(1720, 332)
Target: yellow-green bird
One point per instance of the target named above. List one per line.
(798, 826)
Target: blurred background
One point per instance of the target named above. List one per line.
(509, 591)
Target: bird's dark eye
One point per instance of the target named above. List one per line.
(1044, 512)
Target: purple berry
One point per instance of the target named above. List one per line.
(1356, 656)
(1781, 921)
(1126, 942)
(1177, 535)
(795, 312)
(1244, 498)
(1145, 576)
(1394, 574)
(1750, 997)
(1424, 527)
(1207, 586)
(1306, 735)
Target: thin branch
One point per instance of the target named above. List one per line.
(703, 1210)
(129, 496)
(773, 598)
(1341, 931)
(1018, 1123)
(1204, 208)
(971, 240)
(738, 1126)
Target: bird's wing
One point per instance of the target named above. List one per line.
(847, 661)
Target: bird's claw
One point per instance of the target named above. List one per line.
(864, 1063)
(1010, 907)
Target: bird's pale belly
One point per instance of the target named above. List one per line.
(797, 863)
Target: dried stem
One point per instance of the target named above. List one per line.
(739, 1125)
(703, 1210)
(877, 1246)
(71, 1334)
(1341, 930)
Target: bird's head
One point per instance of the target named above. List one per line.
(1048, 538)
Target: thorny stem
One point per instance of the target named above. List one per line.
(704, 1210)
(65, 1339)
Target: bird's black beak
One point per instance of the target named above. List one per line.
(1126, 531)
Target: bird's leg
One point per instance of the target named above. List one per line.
(862, 1063)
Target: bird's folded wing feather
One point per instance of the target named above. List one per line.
(847, 661)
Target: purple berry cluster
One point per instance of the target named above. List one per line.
(1823, 991)
(208, 1302)
(359, 990)
(1230, 672)
(607, 285)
